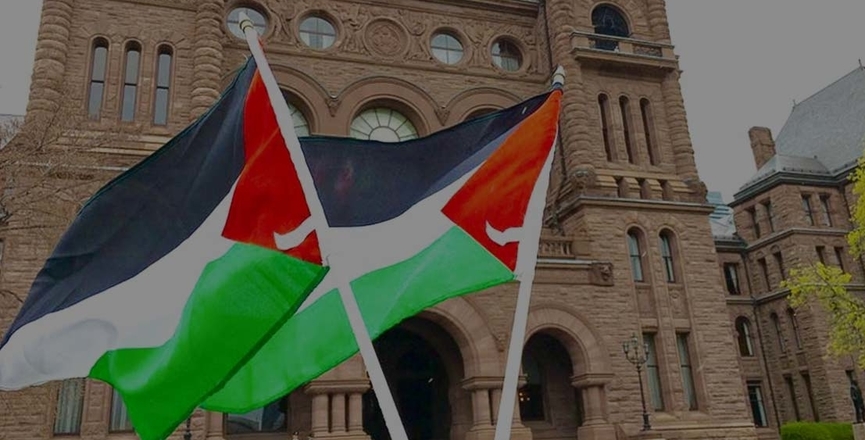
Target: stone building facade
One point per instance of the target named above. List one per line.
(794, 211)
(628, 250)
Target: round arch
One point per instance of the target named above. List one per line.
(472, 100)
(469, 330)
(582, 342)
(415, 103)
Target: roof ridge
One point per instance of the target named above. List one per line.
(857, 69)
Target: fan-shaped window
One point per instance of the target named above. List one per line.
(163, 85)
(317, 32)
(301, 126)
(97, 77)
(259, 21)
(446, 48)
(130, 81)
(507, 56)
(384, 125)
(607, 20)
(743, 335)
(635, 253)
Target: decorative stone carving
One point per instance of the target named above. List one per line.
(417, 25)
(601, 274)
(443, 113)
(354, 18)
(333, 105)
(386, 38)
(584, 179)
(698, 189)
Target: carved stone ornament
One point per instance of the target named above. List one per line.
(386, 38)
(584, 179)
(602, 274)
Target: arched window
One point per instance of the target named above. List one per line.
(635, 254)
(607, 20)
(649, 130)
(301, 125)
(627, 126)
(384, 125)
(795, 324)
(162, 95)
(776, 323)
(609, 146)
(743, 334)
(667, 248)
(130, 81)
(96, 90)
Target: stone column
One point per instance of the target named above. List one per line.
(581, 154)
(337, 413)
(208, 56)
(677, 121)
(355, 413)
(214, 426)
(657, 14)
(486, 398)
(595, 424)
(329, 408)
(49, 65)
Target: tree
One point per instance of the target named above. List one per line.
(827, 286)
(50, 164)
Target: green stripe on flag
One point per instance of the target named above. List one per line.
(320, 337)
(239, 301)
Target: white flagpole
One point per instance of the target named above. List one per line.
(361, 334)
(526, 261)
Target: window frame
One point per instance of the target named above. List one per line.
(517, 55)
(97, 43)
(59, 400)
(328, 40)
(794, 324)
(743, 335)
(779, 332)
(653, 373)
(779, 261)
(163, 49)
(686, 364)
(737, 290)
(764, 271)
(758, 413)
(755, 221)
(826, 209)
(446, 33)
(791, 391)
(808, 210)
(628, 129)
(770, 215)
(124, 417)
(132, 46)
(648, 116)
(606, 128)
(635, 239)
(668, 256)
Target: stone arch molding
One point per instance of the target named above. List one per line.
(584, 344)
(634, 12)
(469, 330)
(382, 88)
(470, 100)
(148, 36)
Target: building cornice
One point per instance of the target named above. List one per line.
(790, 178)
(574, 204)
(778, 236)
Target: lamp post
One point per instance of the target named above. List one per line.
(638, 357)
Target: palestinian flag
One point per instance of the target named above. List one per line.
(170, 278)
(415, 223)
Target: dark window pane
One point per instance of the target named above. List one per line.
(160, 110)
(100, 55)
(95, 99)
(132, 59)
(128, 112)
(164, 70)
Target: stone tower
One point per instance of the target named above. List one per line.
(627, 251)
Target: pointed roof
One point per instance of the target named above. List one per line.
(829, 125)
(823, 136)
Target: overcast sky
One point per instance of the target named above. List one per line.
(744, 62)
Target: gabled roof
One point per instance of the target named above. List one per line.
(829, 125)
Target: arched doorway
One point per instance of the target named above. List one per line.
(423, 369)
(549, 405)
